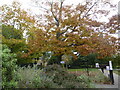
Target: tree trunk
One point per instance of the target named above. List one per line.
(58, 59)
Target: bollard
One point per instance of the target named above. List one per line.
(111, 76)
(102, 69)
(111, 72)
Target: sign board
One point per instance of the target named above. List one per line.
(107, 68)
(62, 62)
(97, 65)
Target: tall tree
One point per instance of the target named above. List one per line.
(16, 22)
(68, 28)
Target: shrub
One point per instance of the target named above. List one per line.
(63, 78)
(45, 82)
(8, 68)
(27, 75)
(31, 77)
(100, 78)
(86, 80)
(0, 67)
(52, 76)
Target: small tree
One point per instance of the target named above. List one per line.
(8, 68)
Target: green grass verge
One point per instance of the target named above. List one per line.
(83, 69)
(117, 72)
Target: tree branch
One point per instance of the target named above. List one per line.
(56, 19)
(60, 11)
(90, 9)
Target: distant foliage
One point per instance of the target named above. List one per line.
(10, 32)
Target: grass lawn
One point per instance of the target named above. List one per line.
(83, 69)
(117, 72)
(94, 75)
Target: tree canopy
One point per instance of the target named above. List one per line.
(60, 29)
(66, 29)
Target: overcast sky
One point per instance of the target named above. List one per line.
(27, 4)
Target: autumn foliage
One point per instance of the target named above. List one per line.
(66, 29)
(61, 29)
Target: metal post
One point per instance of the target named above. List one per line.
(111, 72)
(111, 76)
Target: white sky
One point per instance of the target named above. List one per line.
(27, 4)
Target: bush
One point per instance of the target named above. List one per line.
(31, 77)
(86, 80)
(52, 76)
(8, 68)
(63, 78)
(45, 82)
(100, 78)
(26, 76)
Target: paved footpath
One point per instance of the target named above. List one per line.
(116, 85)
